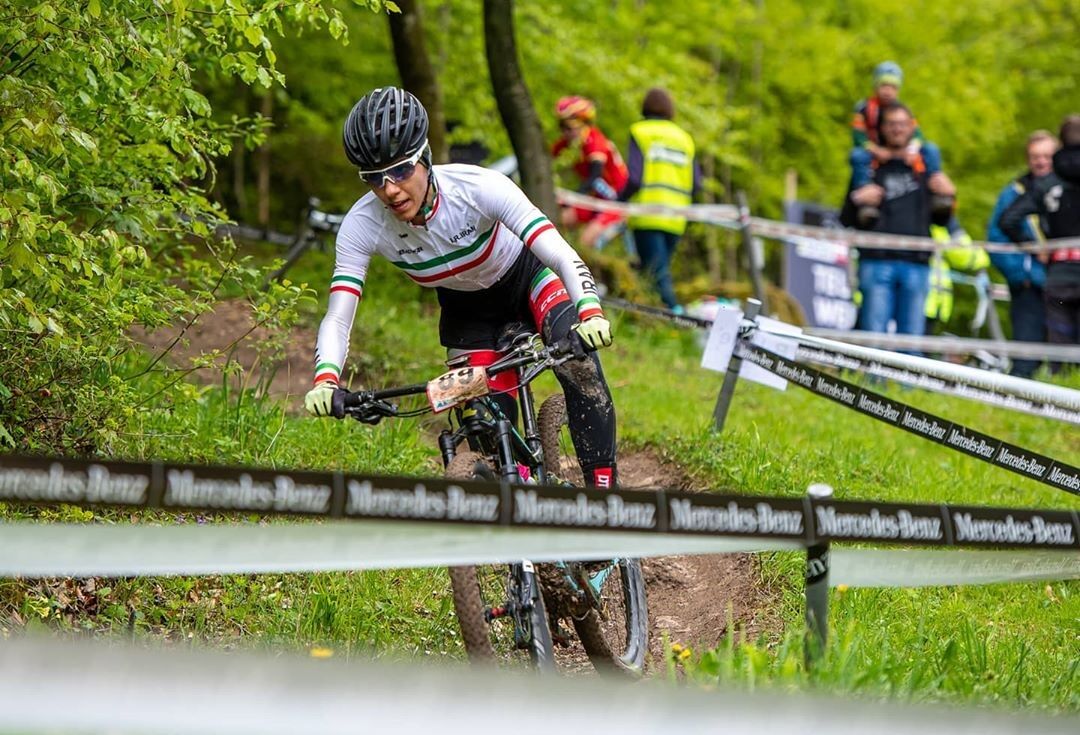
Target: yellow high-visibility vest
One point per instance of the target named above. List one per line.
(667, 178)
(962, 257)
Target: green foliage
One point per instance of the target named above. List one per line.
(105, 157)
(763, 87)
(964, 663)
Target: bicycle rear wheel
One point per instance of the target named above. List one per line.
(500, 608)
(615, 630)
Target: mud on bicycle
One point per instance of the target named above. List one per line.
(516, 610)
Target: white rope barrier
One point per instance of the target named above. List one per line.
(954, 345)
(1046, 393)
(727, 215)
(914, 379)
(32, 550)
(724, 215)
(933, 568)
(52, 686)
(79, 550)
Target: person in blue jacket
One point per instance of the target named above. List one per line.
(1024, 273)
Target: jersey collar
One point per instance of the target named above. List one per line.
(434, 204)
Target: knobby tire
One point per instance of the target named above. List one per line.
(469, 604)
(618, 644)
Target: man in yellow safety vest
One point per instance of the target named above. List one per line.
(663, 171)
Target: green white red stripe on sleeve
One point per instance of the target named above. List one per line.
(534, 229)
(347, 284)
(589, 307)
(327, 371)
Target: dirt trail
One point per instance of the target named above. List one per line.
(691, 598)
(289, 374)
(695, 598)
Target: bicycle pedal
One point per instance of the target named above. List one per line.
(560, 636)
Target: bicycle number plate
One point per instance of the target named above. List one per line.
(456, 386)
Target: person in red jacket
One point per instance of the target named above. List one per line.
(598, 164)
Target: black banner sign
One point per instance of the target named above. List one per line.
(176, 487)
(942, 431)
(682, 320)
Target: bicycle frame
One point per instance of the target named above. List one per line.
(481, 419)
(483, 425)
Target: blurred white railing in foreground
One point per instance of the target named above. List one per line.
(53, 686)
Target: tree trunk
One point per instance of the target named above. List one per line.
(239, 156)
(263, 162)
(416, 72)
(713, 249)
(515, 106)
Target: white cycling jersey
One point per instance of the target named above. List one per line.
(477, 227)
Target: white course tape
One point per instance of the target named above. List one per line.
(888, 241)
(819, 356)
(1031, 389)
(936, 568)
(727, 215)
(95, 688)
(953, 345)
(53, 550)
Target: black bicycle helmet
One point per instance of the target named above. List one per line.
(386, 125)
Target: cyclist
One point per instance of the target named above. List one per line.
(491, 255)
(598, 165)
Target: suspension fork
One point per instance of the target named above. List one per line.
(447, 446)
(532, 431)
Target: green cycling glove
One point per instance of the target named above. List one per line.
(595, 332)
(319, 399)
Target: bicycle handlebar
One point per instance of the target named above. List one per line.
(370, 406)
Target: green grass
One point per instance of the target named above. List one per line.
(1014, 645)
(1017, 645)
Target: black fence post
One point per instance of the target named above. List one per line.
(817, 588)
(731, 376)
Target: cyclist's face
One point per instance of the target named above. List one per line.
(1040, 156)
(404, 198)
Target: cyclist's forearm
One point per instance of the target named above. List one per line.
(557, 254)
(332, 345)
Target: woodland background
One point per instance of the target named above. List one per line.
(130, 128)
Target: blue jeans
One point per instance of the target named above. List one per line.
(655, 248)
(1028, 312)
(893, 289)
(862, 170)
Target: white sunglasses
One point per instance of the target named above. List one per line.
(397, 172)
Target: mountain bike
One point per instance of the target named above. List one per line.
(511, 611)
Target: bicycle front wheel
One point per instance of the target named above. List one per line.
(615, 630)
(500, 608)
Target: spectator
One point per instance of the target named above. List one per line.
(598, 165)
(868, 147)
(663, 170)
(1023, 272)
(894, 283)
(1056, 199)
